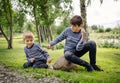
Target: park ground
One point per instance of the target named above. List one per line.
(11, 70)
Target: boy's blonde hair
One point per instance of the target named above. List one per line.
(27, 34)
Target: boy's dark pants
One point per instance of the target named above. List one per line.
(74, 56)
(36, 64)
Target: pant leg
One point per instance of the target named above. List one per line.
(27, 64)
(91, 47)
(75, 59)
(40, 64)
(70, 56)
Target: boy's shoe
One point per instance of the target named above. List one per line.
(97, 68)
(50, 67)
(89, 68)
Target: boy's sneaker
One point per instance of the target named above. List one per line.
(89, 68)
(50, 67)
(97, 68)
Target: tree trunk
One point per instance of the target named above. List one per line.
(49, 31)
(3, 33)
(11, 34)
(45, 32)
(8, 13)
(83, 14)
(9, 44)
(36, 21)
(42, 34)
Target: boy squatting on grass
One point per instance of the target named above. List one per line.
(75, 47)
(62, 63)
(36, 56)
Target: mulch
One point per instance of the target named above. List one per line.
(9, 76)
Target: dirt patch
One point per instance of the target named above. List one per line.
(7, 76)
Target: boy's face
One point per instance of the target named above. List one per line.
(76, 28)
(29, 41)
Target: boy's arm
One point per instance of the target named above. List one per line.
(43, 52)
(61, 37)
(83, 34)
(81, 42)
(28, 58)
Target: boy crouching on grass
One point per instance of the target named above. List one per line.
(75, 47)
(36, 56)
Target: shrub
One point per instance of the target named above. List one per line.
(59, 46)
(107, 44)
(60, 29)
(108, 30)
(101, 30)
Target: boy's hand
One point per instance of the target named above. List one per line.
(49, 60)
(83, 34)
(32, 60)
(83, 30)
(48, 46)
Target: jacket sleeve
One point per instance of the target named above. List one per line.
(28, 58)
(80, 45)
(61, 37)
(45, 53)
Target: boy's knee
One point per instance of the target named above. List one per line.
(68, 55)
(92, 43)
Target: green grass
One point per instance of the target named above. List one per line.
(107, 58)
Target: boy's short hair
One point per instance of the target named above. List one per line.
(76, 20)
(27, 34)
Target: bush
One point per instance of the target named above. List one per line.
(60, 29)
(116, 30)
(101, 30)
(107, 44)
(94, 27)
(108, 30)
(59, 46)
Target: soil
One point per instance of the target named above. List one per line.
(8, 76)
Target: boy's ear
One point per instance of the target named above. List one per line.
(81, 25)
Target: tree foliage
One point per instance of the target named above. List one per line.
(44, 13)
(6, 21)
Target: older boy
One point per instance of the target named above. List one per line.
(75, 47)
(36, 56)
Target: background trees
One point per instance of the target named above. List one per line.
(42, 15)
(44, 12)
(6, 21)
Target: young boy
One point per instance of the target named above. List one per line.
(75, 47)
(62, 63)
(36, 56)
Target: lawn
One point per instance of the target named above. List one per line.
(107, 58)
